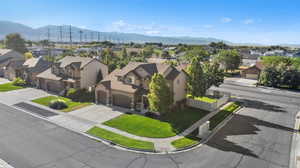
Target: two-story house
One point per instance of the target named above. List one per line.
(72, 72)
(128, 87)
(8, 55)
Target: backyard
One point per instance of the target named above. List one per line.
(72, 105)
(170, 124)
(9, 87)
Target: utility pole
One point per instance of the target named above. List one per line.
(48, 34)
(80, 32)
(60, 34)
(98, 36)
(85, 37)
(92, 36)
(70, 33)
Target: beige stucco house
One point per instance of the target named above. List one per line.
(72, 72)
(8, 55)
(13, 69)
(128, 87)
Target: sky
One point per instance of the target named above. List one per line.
(239, 21)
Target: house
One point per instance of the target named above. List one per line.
(252, 72)
(128, 87)
(7, 55)
(72, 72)
(32, 67)
(13, 69)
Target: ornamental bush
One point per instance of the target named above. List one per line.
(19, 82)
(58, 104)
(81, 95)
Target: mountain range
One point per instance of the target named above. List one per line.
(62, 33)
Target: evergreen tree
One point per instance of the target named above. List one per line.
(160, 97)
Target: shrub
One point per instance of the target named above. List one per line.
(58, 104)
(81, 95)
(19, 82)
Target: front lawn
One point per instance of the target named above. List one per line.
(71, 104)
(119, 139)
(9, 87)
(220, 116)
(170, 124)
(187, 141)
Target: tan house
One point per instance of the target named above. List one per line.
(251, 72)
(7, 55)
(128, 87)
(32, 67)
(13, 69)
(72, 72)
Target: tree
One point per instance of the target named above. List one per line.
(124, 54)
(148, 51)
(15, 42)
(165, 54)
(213, 75)
(28, 55)
(196, 52)
(196, 78)
(270, 77)
(160, 97)
(230, 59)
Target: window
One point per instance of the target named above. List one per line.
(128, 80)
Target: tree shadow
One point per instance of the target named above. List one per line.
(241, 125)
(261, 105)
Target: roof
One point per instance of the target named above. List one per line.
(111, 81)
(47, 74)
(15, 64)
(79, 61)
(259, 65)
(36, 64)
(4, 51)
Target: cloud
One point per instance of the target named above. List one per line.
(248, 21)
(152, 32)
(226, 20)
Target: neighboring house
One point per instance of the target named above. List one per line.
(32, 67)
(252, 72)
(7, 55)
(13, 69)
(72, 72)
(128, 87)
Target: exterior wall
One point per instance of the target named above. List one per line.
(179, 87)
(252, 70)
(134, 78)
(89, 74)
(10, 73)
(100, 88)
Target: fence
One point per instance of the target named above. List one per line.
(222, 98)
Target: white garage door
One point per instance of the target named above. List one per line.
(251, 76)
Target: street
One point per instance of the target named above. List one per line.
(257, 137)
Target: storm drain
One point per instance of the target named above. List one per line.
(35, 110)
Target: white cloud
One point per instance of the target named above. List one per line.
(248, 21)
(226, 20)
(152, 32)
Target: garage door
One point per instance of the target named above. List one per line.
(54, 87)
(121, 100)
(102, 96)
(251, 76)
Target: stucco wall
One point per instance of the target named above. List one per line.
(89, 74)
(179, 87)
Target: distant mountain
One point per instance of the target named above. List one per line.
(58, 32)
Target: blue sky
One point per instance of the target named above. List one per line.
(247, 21)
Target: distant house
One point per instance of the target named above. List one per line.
(32, 67)
(7, 55)
(252, 72)
(128, 87)
(72, 72)
(13, 69)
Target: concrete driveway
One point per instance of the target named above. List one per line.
(3, 81)
(241, 81)
(98, 113)
(21, 95)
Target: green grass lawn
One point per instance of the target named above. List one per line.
(119, 139)
(184, 142)
(9, 87)
(220, 116)
(204, 99)
(71, 104)
(171, 124)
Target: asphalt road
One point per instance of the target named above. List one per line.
(258, 137)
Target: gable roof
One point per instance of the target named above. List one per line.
(36, 64)
(77, 61)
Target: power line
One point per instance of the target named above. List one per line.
(80, 32)
(70, 32)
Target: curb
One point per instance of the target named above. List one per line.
(293, 155)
